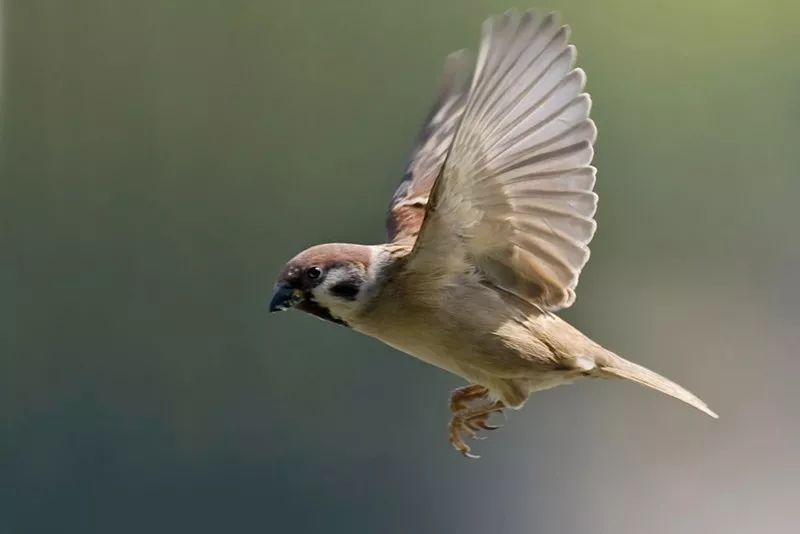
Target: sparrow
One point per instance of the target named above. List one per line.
(488, 232)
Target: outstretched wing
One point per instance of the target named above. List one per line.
(407, 208)
(514, 198)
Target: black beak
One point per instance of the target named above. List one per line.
(284, 297)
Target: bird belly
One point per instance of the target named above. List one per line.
(474, 332)
(435, 354)
(478, 358)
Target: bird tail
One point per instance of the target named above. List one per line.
(622, 368)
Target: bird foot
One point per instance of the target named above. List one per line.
(461, 397)
(470, 421)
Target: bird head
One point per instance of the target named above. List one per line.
(327, 281)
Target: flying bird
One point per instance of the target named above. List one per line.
(488, 232)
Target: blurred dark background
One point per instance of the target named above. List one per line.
(160, 160)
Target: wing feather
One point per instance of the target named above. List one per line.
(407, 208)
(514, 198)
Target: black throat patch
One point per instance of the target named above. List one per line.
(310, 306)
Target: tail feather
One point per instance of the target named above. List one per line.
(622, 368)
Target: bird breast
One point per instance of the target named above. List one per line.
(469, 329)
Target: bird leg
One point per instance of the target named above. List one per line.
(470, 420)
(461, 397)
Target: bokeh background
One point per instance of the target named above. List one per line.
(161, 159)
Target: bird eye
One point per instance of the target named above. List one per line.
(313, 272)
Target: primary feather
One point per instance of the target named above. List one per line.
(515, 194)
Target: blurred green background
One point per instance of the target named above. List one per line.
(160, 160)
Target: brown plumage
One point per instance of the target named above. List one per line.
(489, 230)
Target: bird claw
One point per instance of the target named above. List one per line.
(485, 426)
(458, 443)
(456, 439)
(468, 422)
